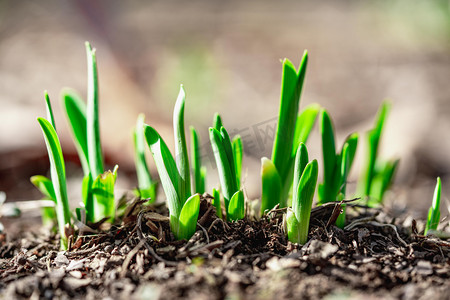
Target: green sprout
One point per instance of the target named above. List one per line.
(378, 174)
(146, 186)
(336, 166)
(98, 185)
(44, 184)
(292, 129)
(175, 178)
(305, 180)
(199, 171)
(217, 123)
(58, 187)
(228, 157)
(433, 213)
(216, 203)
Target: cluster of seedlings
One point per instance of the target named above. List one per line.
(289, 178)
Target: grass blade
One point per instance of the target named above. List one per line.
(75, 110)
(181, 155)
(58, 175)
(93, 127)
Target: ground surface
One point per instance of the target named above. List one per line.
(374, 256)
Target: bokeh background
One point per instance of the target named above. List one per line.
(227, 54)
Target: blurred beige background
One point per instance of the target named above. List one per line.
(227, 54)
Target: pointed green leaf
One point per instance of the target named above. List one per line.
(383, 174)
(49, 110)
(271, 185)
(92, 123)
(236, 208)
(434, 214)
(301, 160)
(181, 156)
(75, 110)
(301, 205)
(291, 87)
(198, 182)
(226, 177)
(328, 147)
(373, 136)
(226, 144)
(238, 150)
(188, 218)
(44, 185)
(167, 170)
(217, 122)
(58, 176)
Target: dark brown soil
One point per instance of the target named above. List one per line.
(373, 255)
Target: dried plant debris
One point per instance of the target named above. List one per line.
(251, 259)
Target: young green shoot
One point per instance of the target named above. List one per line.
(336, 166)
(216, 202)
(174, 174)
(92, 123)
(198, 171)
(84, 123)
(228, 157)
(292, 129)
(304, 186)
(44, 184)
(377, 175)
(146, 186)
(57, 173)
(433, 213)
